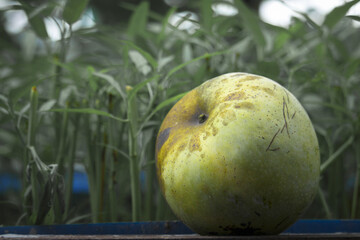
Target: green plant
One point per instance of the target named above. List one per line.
(102, 92)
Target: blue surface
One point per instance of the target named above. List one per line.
(80, 183)
(175, 227)
(10, 182)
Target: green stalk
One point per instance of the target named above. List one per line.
(102, 177)
(134, 165)
(90, 169)
(150, 175)
(324, 203)
(62, 140)
(70, 170)
(333, 156)
(35, 191)
(112, 171)
(32, 117)
(357, 182)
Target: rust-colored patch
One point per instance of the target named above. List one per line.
(234, 96)
(268, 91)
(195, 144)
(265, 89)
(214, 131)
(207, 134)
(245, 105)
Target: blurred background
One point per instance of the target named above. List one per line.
(86, 84)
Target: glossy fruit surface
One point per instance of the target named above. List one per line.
(238, 155)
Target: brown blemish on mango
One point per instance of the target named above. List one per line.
(264, 89)
(244, 105)
(195, 144)
(214, 131)
(234, 96)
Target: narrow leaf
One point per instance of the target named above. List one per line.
(138, 19)
(138, 86)
(338, 13)
(165, 23)
(112, 82)
(17, 93)
(207, 55)
(38, 25)
(47, 105)
(73, 10)
(206, 14)
(144, 53)
(161, 106)
(140, 62)
(88, 111)
(251, 22)
(353, 17)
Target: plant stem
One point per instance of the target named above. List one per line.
(324, 203)
(29, 161)
(134, 165)
(333, 156)
(357, 182)
(112, 171)
(70, 170)
(62, 140)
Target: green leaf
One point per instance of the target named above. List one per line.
(206, 55)
(88, 111)
(17, 93)
(338, 13)
(353, 17)
(144, 53)
(140, 62)
(138, 20)
(251, 22)
(138, 86)
(161, 106)
(73, 10)
(165, 23)
(112, 82)
(206, 14)
(168, 102)
(38, 25)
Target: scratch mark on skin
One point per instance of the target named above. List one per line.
(271, 142)
(282, 221)
(293, 115)
(284, 115)
(287, 96)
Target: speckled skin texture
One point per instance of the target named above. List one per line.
(238, 155)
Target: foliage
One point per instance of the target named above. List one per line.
(102, 91)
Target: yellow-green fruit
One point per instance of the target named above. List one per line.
(238, 155)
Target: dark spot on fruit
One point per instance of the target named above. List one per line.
(162, 137)
(202, 118)
(234, 96)
(195, 143)
(245, 105)
(214, 131)
(269, 91)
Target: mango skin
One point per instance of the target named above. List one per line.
(238, 155)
